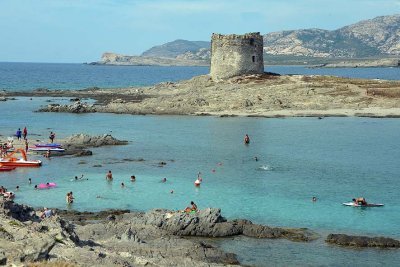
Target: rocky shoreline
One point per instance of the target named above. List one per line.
(75, 145)
(264, 95)
(371, 63)
(125, 238)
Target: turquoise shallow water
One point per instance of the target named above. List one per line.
(334, 159)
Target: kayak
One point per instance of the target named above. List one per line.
(352, 204)
(49, 145)
(55, 149)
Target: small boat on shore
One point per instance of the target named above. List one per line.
(51, 145)
(52, 149)
(352, 204)
(11, 161)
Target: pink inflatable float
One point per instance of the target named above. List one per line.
(46, 186)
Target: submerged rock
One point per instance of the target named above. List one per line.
(362, 241)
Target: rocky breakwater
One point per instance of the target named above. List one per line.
(76, 107)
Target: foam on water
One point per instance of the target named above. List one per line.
(265, 168)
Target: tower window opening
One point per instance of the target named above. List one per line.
(251, 41)
(253, 58)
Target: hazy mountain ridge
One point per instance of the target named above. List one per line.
(378, 37)
(176, 48)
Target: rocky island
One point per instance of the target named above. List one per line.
(262, 95)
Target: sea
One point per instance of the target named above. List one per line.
(271, 181)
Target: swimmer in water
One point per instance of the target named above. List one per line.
(164, 180)
(80, 178)
(246, 139)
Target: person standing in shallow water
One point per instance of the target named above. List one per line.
(109, 176)
(25, 133)
(18, 134)
(52, 136)
(69, 198)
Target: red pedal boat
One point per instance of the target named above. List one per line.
(11, 161)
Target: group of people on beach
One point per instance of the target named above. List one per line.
(4, 149)
(19, 134)
(22, 135)
(6, 194)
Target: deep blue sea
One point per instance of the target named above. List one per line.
(30, 76)
(334, 159)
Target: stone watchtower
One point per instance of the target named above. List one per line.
(233, 55)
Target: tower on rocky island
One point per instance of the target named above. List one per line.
(233, 55)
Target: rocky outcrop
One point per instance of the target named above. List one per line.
(78, 144)
(84, 140)
(76, 107)
(2, 98)
(362, 241)
(26, 238)
(209, 223)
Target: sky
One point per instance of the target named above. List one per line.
(76, 31)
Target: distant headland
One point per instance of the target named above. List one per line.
(368, 43)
